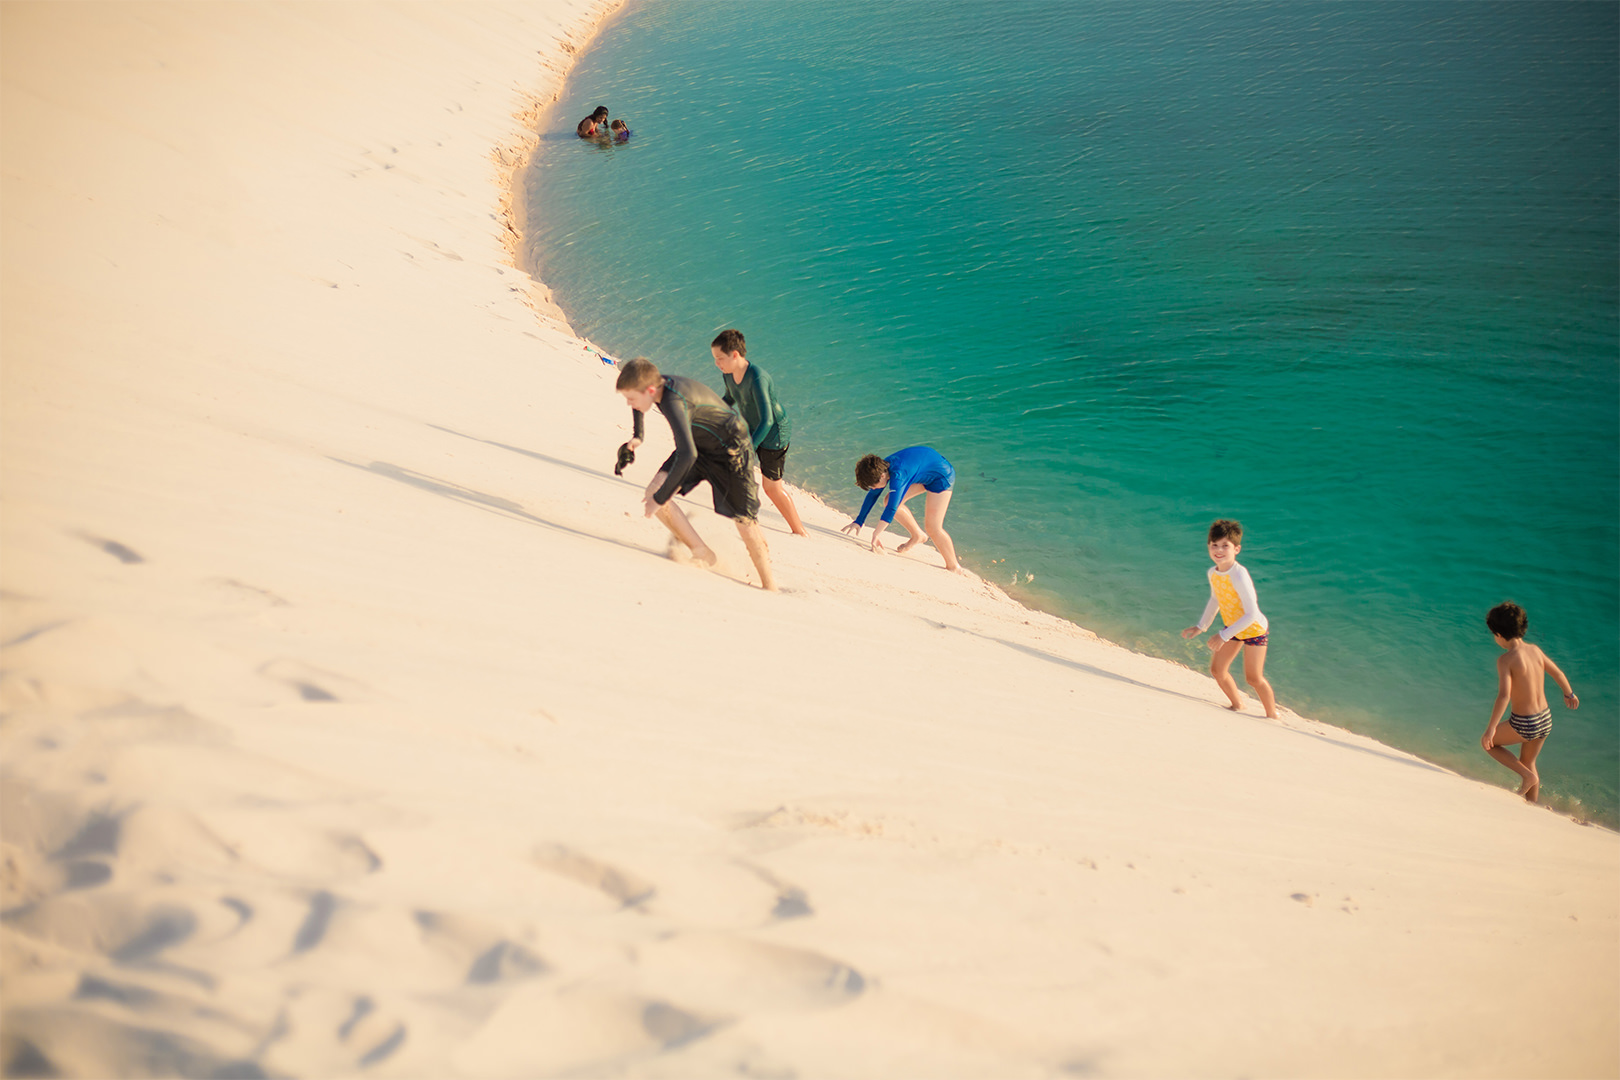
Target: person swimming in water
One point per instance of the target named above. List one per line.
(592, 126)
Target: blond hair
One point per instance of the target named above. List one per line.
(637, 374)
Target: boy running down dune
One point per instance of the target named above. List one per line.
(711, 444)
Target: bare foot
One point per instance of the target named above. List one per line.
(801, 532)
(1234, 708)
(908, 545)
(1531, 786)
(704, 556)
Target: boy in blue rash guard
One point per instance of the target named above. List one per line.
(750, 391)
(908, 473)
(711, 444)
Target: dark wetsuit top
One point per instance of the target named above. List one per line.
(701, 424)
(755, 399)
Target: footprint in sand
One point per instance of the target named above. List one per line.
(791, 901)
(488, 955)
(325, 1031)
(629, 890)
(726, 974)
(70, 1041)
(119, 929)
(582, 1031)
(123, 554)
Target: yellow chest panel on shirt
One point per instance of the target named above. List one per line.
(1231, 606)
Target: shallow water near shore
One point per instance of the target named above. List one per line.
(1346, 273)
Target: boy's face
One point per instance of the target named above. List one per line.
(640, 400)
(726, 362)
(1224, 551)
(880, 482)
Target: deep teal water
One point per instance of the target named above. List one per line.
(1345, 272)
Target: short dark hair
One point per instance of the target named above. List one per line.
(1226, 529)
(871, 471)
(1507, 619)
(637, 374)
(731, 341)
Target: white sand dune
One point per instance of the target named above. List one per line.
(355, 722)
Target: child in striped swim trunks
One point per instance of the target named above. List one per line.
(1521, 675)
(1231, 592)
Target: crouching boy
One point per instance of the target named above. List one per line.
(906, 474)
(711, 444)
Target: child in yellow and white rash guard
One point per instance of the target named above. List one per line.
(1231, 592)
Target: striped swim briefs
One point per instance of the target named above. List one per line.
(1531, 727)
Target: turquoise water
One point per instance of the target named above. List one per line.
(1347, 273)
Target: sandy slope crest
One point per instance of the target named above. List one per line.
(354, 722)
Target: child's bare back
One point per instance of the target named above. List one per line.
(1521, 675)
(1525, 669)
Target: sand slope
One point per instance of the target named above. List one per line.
(356, 722)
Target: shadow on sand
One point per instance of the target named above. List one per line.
(1091, 670)
(493, 503)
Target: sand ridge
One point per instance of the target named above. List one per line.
(356, 721)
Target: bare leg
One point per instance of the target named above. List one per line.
(783, 501)
(1254, 673)
(934, 521)
(1219, 667)
(1527, 758)
(754, 540)
(905, 517)
(1529, 779)
(676, 522)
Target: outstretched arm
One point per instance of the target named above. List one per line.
(866, 507)
(1563, 684)
(1203, 620)
(877, 531)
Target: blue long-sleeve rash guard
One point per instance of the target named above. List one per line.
(914, 465)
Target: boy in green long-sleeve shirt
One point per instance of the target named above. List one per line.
(751, 392)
